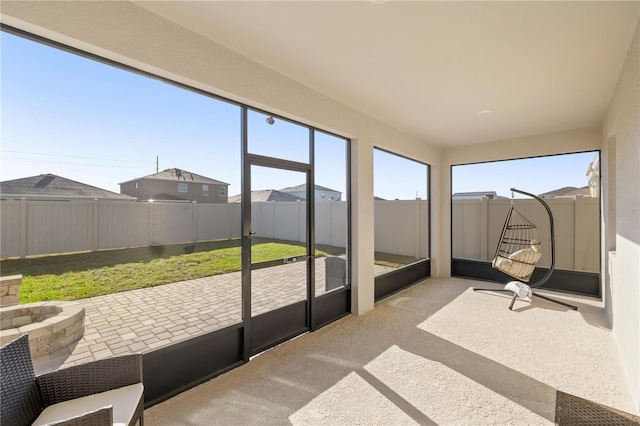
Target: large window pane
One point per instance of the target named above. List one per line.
(401, 211)
(278, 226)
(331, 212)
(569, 184)
(122, 183)
(275, 137)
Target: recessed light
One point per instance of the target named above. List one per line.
(485, 112)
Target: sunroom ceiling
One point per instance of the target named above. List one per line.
(450, 73)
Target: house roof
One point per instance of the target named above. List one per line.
(267, 195)
(303, 187)
(488, 194)
(168, 197)
(567, 191)
(53, 186)
(181, 175)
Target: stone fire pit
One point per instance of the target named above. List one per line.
(51, 325)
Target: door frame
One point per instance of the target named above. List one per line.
(270, 322)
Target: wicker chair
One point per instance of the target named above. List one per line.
(101, 392)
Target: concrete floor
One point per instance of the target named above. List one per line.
(436, 353)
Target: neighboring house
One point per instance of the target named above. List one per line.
(593, 173)
(474, 195)
(53, 187)
(322, 193)
(176, 185)
(591, 190)
(267, 195)
(567, 191)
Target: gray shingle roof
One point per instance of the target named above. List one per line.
(303, 187)
(53, 186)
(181, 175)
(567, 191)
(267, 195)
(488, 194)
(167, 197)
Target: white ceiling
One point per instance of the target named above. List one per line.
(428, 68)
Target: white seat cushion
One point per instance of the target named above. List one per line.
(124, 401)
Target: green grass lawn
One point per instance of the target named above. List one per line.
(81, 275)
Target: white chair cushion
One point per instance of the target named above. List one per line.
(124, 401)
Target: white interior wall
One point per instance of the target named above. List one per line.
(126, 33)
(621, 139)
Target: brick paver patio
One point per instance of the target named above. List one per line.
(143, 319)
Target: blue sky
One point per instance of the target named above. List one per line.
(397, 177)
(99, 125)
(86, 121)
(534, 175)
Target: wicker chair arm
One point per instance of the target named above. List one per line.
(90, 378)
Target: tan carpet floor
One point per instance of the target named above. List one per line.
(436, 353)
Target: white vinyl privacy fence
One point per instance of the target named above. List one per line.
(48, 227)
(401, 227)
(477, 224)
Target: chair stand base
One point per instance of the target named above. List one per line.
(515, 296)
(575, 308)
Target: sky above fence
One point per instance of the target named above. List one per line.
(99, 125)
(534, 175)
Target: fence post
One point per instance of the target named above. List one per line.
(418, 233)
(194, 221)
(150, 221)
(23, 227)
(484, 227)
(330, 221)
(298, 220)
(229, 221)
(95, 234)
(273, 219)
(579, 234)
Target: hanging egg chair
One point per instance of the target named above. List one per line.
(519, 250)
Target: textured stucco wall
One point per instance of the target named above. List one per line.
(621, 133)
(129, 34)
